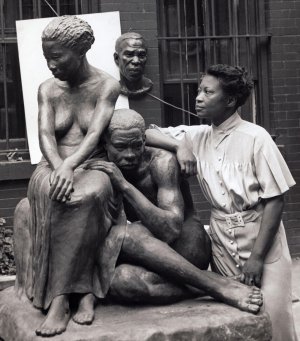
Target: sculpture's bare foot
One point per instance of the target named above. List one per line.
(244, 297)
(57, 318)
(85, 313)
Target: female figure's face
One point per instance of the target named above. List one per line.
(62, 61)
(212, 102)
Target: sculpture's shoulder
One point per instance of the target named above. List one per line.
(162, 163)
(49, 88)
(105, 81)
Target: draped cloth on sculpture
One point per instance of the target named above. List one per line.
(74, 245)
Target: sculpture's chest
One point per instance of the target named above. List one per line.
(74, 109)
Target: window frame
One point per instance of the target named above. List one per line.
(261, 39)
(9, 36)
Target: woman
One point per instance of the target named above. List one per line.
(244, 177)
(72, 209)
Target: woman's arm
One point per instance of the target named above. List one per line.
(182, 148)
(253, 268)
(46, 123)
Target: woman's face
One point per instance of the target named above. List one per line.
(62, 61)
(211, 101)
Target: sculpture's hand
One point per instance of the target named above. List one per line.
(187, 160)
(116, 177)
(252, 271)
(61, 182)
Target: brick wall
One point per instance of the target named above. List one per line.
(283, 22)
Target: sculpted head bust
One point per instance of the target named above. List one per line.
(131, 57)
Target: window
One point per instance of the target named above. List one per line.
(12, 117)
(194, 34)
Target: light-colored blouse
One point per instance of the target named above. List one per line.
(238, 163)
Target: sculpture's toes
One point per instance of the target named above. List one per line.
(47, 332)
(252, 308)
(51, 327)
(256, 296)
(83, 318)
(257, 301)
(256, 290)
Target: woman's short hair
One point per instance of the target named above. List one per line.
(71, 32)
(234, 81)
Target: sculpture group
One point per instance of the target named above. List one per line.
(107, 215)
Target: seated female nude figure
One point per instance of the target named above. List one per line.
(71, 208)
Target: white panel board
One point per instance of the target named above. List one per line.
(34, 70)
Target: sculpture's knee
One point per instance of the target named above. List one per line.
(128, 284)
(90, 186)
(136, 235)
(22, 243)
(194, 243)
(21, 221)
(21, 214)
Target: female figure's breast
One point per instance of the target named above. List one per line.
(73, 116)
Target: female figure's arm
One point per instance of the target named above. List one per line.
(46, 122)
(253, 268)
(182, 148)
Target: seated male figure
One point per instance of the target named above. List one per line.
(165, 248)
(162, 202)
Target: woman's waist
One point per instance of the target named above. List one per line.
(96, 154)
(237, 218)
(65, 151)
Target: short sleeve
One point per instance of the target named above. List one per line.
(197, 138)
(271, 169)
(177, 132)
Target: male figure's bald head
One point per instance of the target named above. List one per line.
(125, 139)
(126, 36)
(126, 119)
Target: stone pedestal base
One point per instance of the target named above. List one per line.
(190, 320)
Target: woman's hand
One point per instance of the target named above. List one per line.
(61, 182)
(187, 160)
(252, 271)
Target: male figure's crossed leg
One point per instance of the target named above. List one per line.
(141, 248)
